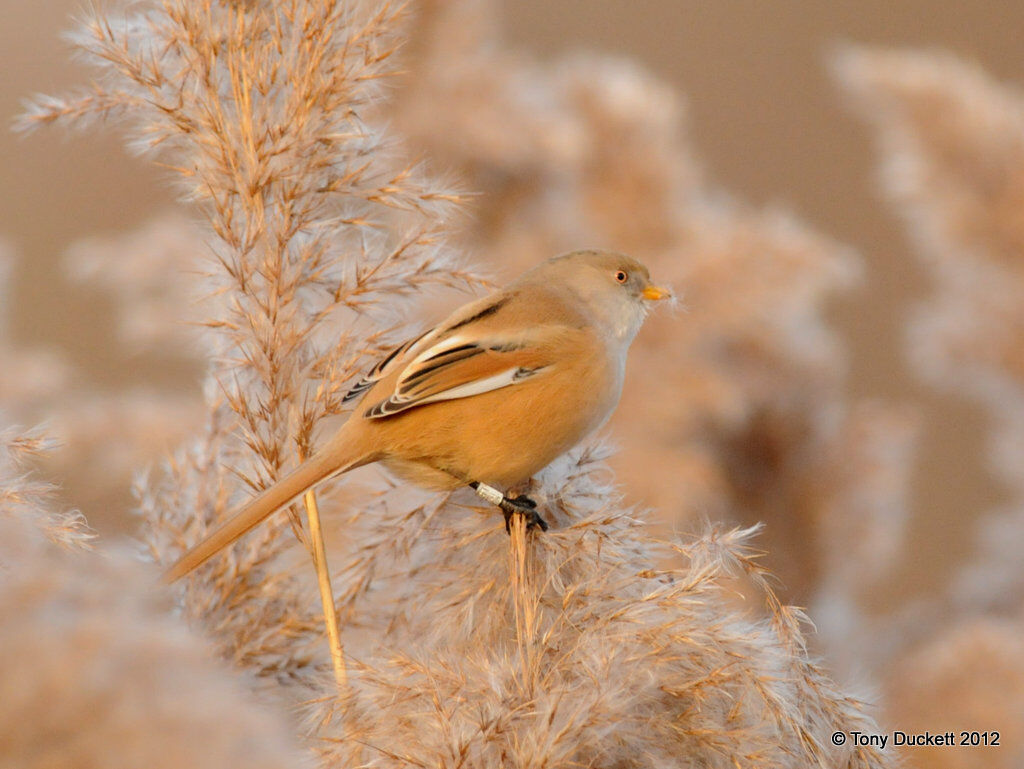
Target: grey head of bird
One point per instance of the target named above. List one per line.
(616, 289)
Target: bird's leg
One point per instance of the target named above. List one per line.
(511, 506)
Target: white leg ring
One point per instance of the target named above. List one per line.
(490, 493)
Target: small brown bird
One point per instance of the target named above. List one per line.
(487, 398)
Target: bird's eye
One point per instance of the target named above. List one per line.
(621, 276)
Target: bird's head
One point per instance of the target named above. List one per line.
(617, 289)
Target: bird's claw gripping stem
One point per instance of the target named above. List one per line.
(518, 506)
(522, 506)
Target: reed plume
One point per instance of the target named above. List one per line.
(310, 220)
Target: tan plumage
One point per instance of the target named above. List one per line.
(490, 396)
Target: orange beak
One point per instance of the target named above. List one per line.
(654, 293)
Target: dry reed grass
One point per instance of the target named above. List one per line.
(467, 648)
(577, 648)
(94, 669)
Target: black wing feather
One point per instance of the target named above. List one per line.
(377, 371)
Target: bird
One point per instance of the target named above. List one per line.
(487, 398)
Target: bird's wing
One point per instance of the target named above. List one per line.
(462, 365)
(474, 311)
(496, 342)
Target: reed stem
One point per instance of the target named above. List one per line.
(323, 578)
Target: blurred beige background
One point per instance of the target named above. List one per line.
(766, 120)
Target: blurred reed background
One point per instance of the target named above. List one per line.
(857, 431)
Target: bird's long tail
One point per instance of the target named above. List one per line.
(304, 477)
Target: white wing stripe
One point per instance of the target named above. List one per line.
(396, 404)
(493, 382)
(440, 348)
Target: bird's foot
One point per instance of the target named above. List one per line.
(510, 506)
(525, 507)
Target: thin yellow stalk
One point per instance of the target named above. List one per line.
(323, 578)
(523, 600)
